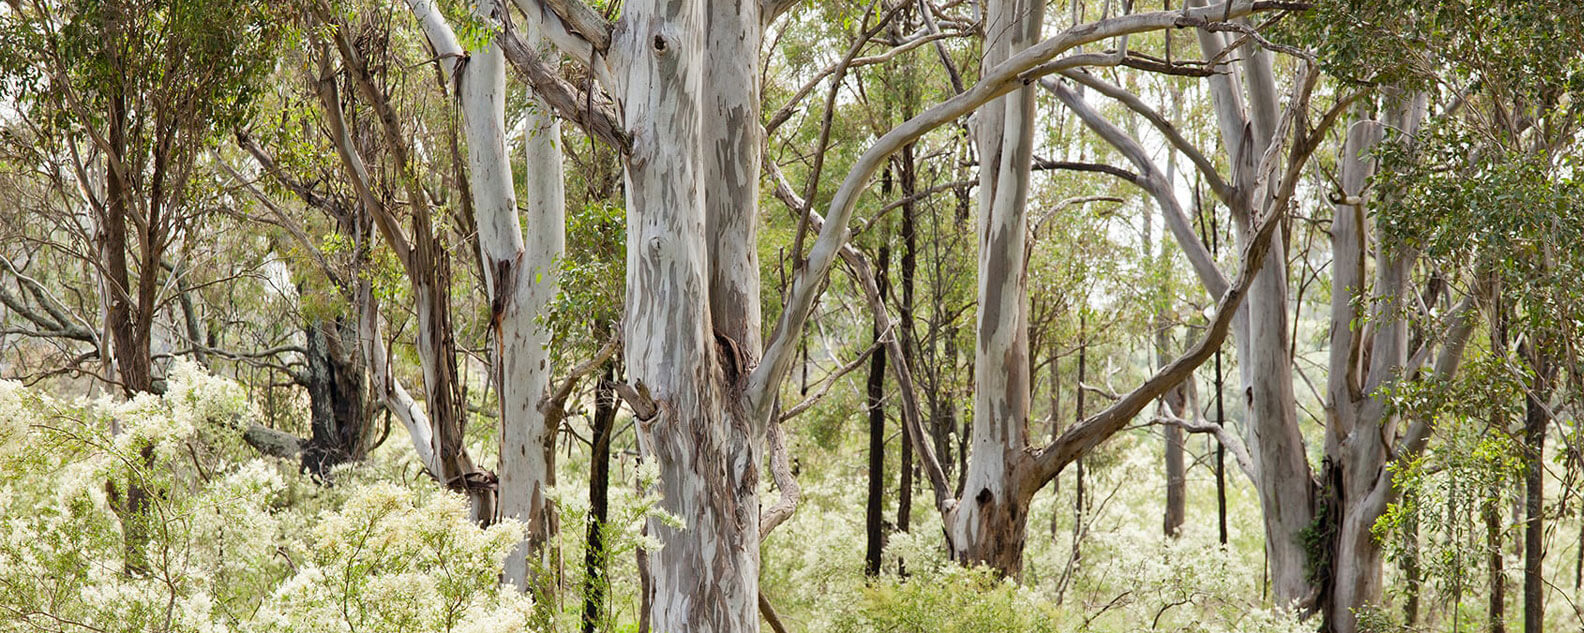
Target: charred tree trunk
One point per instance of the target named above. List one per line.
(874, 513)
(908, 181)
(595, 582)
(1493, 546)
(1220, 459)
(1536, 418)
(340, 420)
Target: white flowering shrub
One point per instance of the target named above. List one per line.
(149, 514)
(390, 560)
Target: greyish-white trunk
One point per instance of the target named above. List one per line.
(387, 390)
(1275, 441)
(1262, 333)
(520, 274)
(1359, 427)
(706, 573)
(989, 524)
(1344, 386)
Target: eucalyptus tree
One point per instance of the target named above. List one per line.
(379, 156)
(987, 524)
(1322, 559)
(520, 269)
(1482, 190)
(685, 93)
(131, 93)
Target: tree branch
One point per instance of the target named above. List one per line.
(595, 117)
(996, 81)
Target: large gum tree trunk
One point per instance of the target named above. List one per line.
(1362, 438)
(1357, 573)
(689, 368)
(990, 522)
(522, 272)
(1284, 482)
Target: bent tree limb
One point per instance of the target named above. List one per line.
(995, 82)
(1084, 436)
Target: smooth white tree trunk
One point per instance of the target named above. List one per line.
(387, 390)
(1262, 335)
(990, 522)
(520, 272)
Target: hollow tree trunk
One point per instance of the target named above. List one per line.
(990, 523)
(340, 420)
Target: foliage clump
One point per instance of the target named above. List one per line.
(231, 542)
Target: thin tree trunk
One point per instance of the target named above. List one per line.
(908, 182)
(1536, 418)
(1220, 463)
(875, 510)
(1493, 547)
(1055, 426)
(1413, 574)
(1078, 470)
(595, 582)
(1176, 467)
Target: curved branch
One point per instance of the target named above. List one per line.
(1151, 180)
(997, 81)
(1081, 438)
(595, 117)
(1218, 185)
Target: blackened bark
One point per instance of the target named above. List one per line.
(1493, 547)
(1220, 463)
(909, 184)
(595, 583)
(875, 509)
(341, 428)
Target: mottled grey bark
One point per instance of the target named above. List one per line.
(693, 368)
(990, 522)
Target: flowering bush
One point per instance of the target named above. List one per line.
(150, 515)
